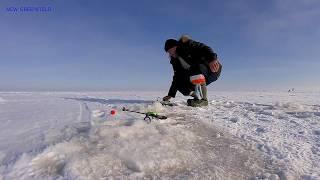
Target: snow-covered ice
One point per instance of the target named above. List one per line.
(241, 135)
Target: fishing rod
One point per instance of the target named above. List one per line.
(148, 115)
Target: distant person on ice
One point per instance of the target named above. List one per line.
(195, 66)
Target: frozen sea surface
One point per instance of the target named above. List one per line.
(241, 135)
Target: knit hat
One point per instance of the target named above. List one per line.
(170, 43)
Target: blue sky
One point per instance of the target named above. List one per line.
(102, 45)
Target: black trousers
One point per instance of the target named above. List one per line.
(184, 85)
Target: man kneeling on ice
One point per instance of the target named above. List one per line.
(195, 66)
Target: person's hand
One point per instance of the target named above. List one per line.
(214, 66)
(166, 98)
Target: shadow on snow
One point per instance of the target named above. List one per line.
(110, 101)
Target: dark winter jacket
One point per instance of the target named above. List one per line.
(194, 53)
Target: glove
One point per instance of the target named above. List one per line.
(214, 66)
(166, 98)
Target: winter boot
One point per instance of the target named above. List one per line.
(199, 102)
(192, 94)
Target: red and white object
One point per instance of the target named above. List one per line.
(198, 79)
